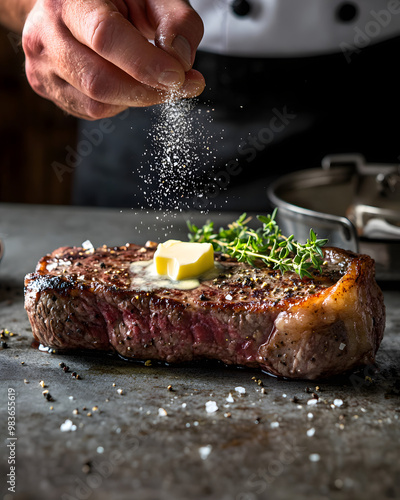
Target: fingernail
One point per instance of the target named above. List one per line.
(182, 48)
(170, 79)
(192, 88)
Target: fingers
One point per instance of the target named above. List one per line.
(172, 24)
(96, 64)
(103, 29)
(179, 29)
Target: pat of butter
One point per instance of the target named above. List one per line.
(183, 260)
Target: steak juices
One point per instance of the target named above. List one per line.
(308, 328)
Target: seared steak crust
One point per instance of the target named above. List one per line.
(255, 317)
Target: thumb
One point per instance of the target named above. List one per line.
(178, 29)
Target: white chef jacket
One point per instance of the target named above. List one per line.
(284, 28)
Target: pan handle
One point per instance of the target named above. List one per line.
(360, 165)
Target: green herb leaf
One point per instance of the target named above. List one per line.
(266, 244)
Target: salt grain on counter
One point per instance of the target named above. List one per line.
(230, 399)
(100, 450)
(338, 402)
(68, 426)
(342, 346)
(162, 412)
(211, 407)
(240, 390)
(312, 402)
(204, 451)
(274, 425)
(311, 432)
(314, 457)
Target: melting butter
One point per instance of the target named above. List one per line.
(183, 260)
(146, 278)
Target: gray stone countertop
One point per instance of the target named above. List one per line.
(152, 443)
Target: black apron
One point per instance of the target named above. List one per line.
(257, 119)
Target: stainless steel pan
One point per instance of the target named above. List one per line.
(354, 204)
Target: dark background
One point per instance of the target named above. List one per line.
(355, 108)
(33, 134)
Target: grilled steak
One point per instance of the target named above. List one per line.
(306, 328)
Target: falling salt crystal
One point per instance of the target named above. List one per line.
(314, 457)
(310, 415)
(211, 407)
(240, 390)
(172, 168)
(67, 426)
(100, 450)
(274, 425)
(338, 402)
(204, 451)
(162, 412)
(230, 398)
(311, 432)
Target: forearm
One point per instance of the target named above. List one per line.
(13, 13)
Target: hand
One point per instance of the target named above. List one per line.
(93, 58)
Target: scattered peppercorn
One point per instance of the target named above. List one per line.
(87, 467)
(48, 396)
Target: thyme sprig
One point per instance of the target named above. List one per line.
(266, 244)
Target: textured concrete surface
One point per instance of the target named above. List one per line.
(155, 442)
